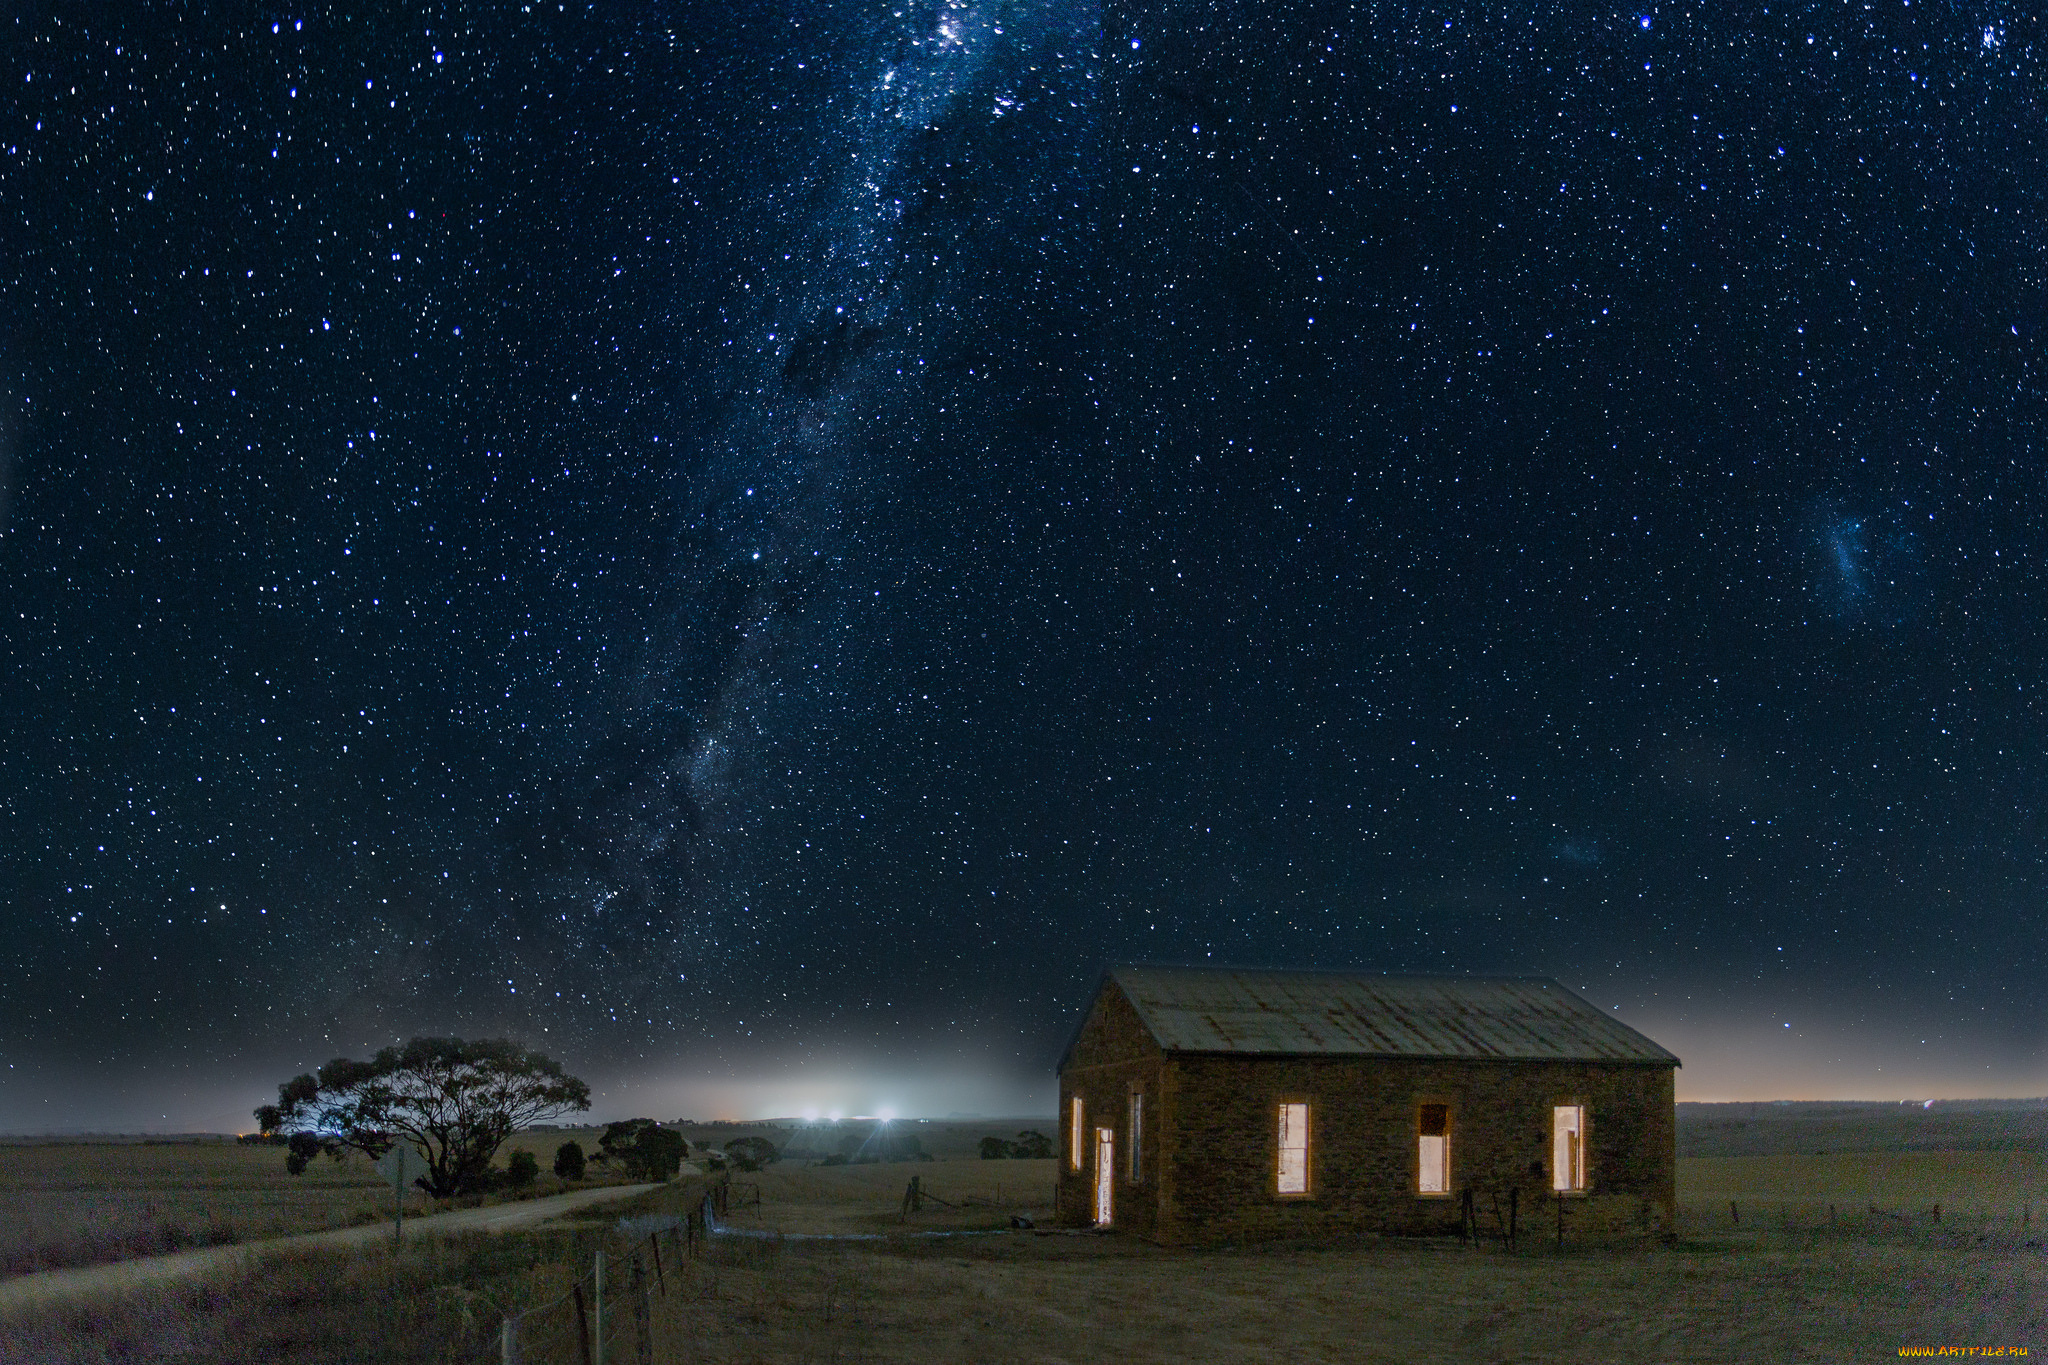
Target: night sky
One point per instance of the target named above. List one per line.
(756, 548)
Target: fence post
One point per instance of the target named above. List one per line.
(582, 1323)
(597, 1318)
(1734, 1214)
(654, 1240)
(508, 1342)
(1560, 1220)
(643, 1332)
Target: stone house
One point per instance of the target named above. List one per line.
(1204, 1104)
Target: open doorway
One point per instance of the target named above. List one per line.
(1105, 1170)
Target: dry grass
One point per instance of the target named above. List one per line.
(1989, 1188)
(1859, 1289)
(433, 1302)
(1767, 1290)
(77, 1203)
(1027, 1298)
(83, 1203)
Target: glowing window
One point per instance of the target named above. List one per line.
(1568, 1147)
(1434, 1125)
(1105, 1165)
(1137, 1131)
(1074, 1152)
(1294, 1149)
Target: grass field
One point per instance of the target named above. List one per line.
(1783, 1284)
(1991, 1188)
(65, 1203)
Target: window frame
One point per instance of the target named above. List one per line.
(1585, 1173)
(1281, 1104)
(1422, 1104)
(1077, 1133)
(1134, 1122)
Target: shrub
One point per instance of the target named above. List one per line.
(304, 1147)
(643, 1148)
(569, 1161)
(1032, 1144)
(757, 1150)
(994, 1148)
(522, 1168)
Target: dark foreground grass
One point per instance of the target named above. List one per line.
(1766, 1290)
(435, 1300)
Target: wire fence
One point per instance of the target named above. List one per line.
(606, 1317)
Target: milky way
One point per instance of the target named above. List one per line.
(860, 299)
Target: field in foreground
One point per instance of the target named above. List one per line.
(75, 1202)
(1787, 1286)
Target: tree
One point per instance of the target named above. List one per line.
(569, 1161)
(643, 1148)
(456, 1101)
(994, 1148)
(1032, 1144)
(751, 1153)
(522, 1168)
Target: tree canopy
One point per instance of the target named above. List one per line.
(643, 1148)
(456, 1100)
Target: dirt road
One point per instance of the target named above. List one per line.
(50, 1286)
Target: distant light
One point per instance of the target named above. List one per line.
(887, 1115)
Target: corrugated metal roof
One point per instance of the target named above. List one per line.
(1524, 1018)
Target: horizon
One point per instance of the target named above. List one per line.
(1929, 1104)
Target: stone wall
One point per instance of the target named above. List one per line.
(1222, 1152)
(1113, 1057)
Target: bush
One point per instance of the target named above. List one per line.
(643, 1148)
(304, 1147)
(994, 1148)
(569, 1161)
(758, 1151)
(1032, 1144)
(522, 1168)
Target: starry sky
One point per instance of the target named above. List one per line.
(757, 547)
